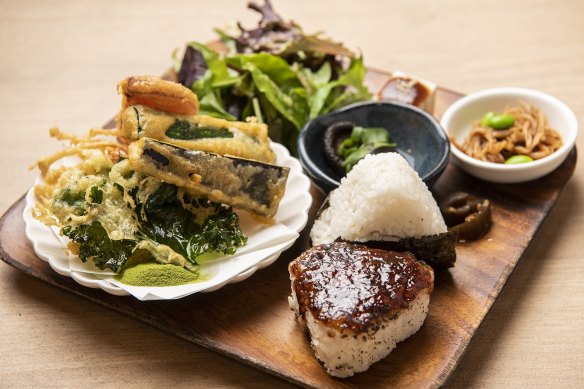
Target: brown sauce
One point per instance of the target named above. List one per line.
(348, 286)
(405, 90)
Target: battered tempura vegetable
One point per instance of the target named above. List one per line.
(198, 132)
(251, 185)
(114, 215)
(167, 111)
(160, 94)
(169, 202)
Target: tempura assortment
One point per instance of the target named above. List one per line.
(162, 185)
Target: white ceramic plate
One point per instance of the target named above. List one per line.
(264, 246)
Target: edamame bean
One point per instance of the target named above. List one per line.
(518, 159)
(486, 119)
(501, 122)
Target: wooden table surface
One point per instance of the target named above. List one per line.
(60, 64)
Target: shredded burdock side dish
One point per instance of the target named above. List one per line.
(520, 134)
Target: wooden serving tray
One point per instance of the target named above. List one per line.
(251, 322)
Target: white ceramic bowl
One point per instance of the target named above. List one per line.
(458, 118)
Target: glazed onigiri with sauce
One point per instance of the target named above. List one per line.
(381, 199)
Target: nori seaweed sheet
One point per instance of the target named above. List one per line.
(438, 250)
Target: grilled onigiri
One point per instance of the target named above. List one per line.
(358, 303)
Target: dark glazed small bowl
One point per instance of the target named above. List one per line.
(419, 137)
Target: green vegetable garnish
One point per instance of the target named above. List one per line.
(363, 141)
(516, 159)
(501, 122)
(486, 119)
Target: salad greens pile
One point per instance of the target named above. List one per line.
(274, 72)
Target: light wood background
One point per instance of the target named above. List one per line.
(59, 65)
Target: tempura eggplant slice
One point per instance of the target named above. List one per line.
(246, 184)
(198, 132)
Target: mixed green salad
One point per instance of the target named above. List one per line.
(274, 72)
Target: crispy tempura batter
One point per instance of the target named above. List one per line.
(167, 111)
(112, 148)
(94, 153)
(93, 162)
(157, 93)
(244, 139)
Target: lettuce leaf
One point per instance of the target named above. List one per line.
(288, 94)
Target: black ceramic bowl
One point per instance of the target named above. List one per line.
(419, 138)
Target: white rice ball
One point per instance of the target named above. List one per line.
(382, 198)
